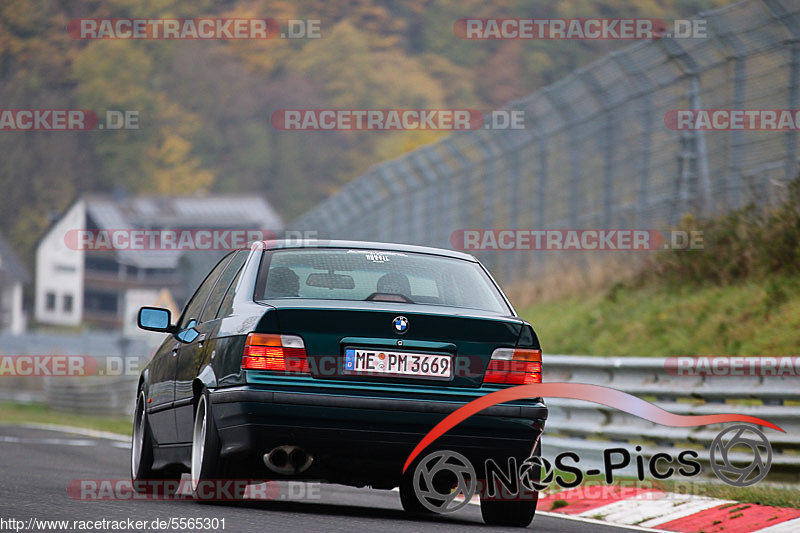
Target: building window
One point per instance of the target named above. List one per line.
(67, 303)
(50, 301)
(104, 302)
(100, 263)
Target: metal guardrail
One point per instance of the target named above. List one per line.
(579, 426)
(109, 394)
(588, 428)
(100, 396)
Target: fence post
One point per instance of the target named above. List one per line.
(735, 178)
(431, 215)
(644, 89)
(698, 176)
(514, 199)
(561, 107)
(465, 196)
(443, 175)
(783, 16)
(608, 141)
(395, 193)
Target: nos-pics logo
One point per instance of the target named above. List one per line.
(445, 481)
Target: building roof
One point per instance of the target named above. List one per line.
(11, 268)
(172, 212)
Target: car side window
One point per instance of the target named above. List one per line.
(224, 281)
(195, 305)
(226, 307)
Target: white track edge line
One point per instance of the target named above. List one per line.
(595, 521)
(98, 434)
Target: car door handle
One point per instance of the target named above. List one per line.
(175, 350)
(201, 339)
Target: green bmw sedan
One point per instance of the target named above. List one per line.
(331, 361)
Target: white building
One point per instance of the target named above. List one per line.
(77, 284)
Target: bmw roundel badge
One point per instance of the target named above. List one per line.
(400, 324)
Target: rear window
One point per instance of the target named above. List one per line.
(364, 275)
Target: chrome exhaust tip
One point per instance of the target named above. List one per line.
(299, 459)
(288, 459)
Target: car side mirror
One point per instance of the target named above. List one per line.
(155, 319)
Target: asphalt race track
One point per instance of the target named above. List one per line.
(38, 464)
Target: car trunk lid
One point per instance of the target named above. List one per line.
(330, 328)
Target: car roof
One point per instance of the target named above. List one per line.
(362, 245)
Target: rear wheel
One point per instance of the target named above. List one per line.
(508, 513)
(408, 497)
(206, 466)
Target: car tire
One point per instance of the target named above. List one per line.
(408, 497)
(205, 445)
(508, 513)
(206, 465)
(142, 449)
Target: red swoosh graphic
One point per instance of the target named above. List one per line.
(579, 391)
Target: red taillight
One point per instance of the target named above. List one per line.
(514, 366)
(279, 353)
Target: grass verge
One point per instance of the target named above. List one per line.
(760, 493)
(754, 317)
(41, 414)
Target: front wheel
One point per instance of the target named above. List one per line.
(508, 513)
(141, 447)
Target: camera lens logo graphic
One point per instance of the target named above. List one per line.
(729, 451)
(528, 469)
(441, 477)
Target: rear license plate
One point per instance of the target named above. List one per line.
(401, 364)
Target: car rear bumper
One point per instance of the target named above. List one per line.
(362, 440)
